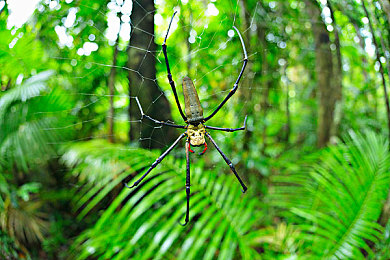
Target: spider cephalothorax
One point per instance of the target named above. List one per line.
(195, 128)
(196, 134)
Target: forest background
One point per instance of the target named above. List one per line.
(314, 155)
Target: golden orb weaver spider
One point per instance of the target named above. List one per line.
(195, 128)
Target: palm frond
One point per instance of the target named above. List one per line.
(32, 87)
(24, 221)
(382, 247)
(16, 60)
(341, 198)
(284, 239)
(32, 121)
(143, 223)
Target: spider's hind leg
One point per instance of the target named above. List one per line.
(228, 162)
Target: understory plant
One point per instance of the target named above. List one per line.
(143, 223)
(329, 209)
(335, 203)
(31, 126)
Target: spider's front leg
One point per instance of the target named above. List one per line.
(235, 86)
(171, 82)
(152, 119)
(163, 123)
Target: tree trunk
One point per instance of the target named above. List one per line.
(324, 72)
(185, 21)
(385, 25)
(371, 98)
(381, 70)
(142, 81)
(245, 90)
(338, 78)
(386, 7)
(111, 87)
(385, 214)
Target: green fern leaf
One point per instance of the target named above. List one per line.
(145, 219)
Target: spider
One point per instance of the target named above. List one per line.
(193, 117)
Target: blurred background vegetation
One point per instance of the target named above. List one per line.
(315, 154)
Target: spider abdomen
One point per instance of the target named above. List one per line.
(193, 108)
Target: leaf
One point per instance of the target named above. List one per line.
(146, 218)
(344, 197)
(31, 123)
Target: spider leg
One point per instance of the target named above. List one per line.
(164, 123)
(235, 86)
(228, 129)
(187, 182)
(155, 120)
(189, 147)
(171, 82)
(158, 160)
(204, 150)
(244, 188)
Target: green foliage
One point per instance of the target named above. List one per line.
(302, 202)
(337, 202)
(20, 212)
(24, 221)
(32, 121)
(8, 249)
(277, 242)
(16, 61)
(382, 247)
(340, 198)
(31, 124)
(146, 219)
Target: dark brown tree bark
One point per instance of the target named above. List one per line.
(324, 73)
(111, 87)
(142, 81)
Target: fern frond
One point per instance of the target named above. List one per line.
(143, 223)
(344, 195)
(32, 122)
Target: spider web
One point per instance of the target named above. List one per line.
(209, 97)
(210, 57)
